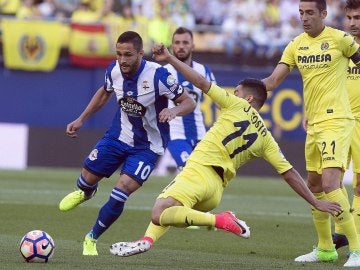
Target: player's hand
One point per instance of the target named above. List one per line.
(160, 52)
(72, 128)
(166, 115)
(330, 207)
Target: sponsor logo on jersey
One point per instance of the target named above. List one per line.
(132, 107)
(319, 58)
(328, 158)
(353, 73)
(93, 155)
(353, 70)
(303, 48)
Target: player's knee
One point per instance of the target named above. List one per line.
(155, 216)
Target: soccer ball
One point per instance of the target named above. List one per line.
(37, 246)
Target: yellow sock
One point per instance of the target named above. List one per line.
(356, 212)
(345, 220)
(322, 222)
(182, 216)
(338, 229)
(155, 232)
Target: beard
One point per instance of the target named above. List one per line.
(182, 56)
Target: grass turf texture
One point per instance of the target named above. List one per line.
(280, 221)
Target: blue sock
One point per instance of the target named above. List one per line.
(110, 212)
(85, 186)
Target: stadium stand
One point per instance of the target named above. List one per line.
(242, 30)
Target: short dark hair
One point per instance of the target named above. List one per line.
(182, 30)
(256, 88)
(320, 4)
(131, 37)
(352, 4)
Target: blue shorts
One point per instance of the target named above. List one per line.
(180, 150)
(109, 154)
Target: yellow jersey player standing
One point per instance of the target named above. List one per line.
(238, 136)
(352, 22)
(322, 56)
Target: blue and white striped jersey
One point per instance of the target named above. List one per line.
(141, 98)
(190, 126)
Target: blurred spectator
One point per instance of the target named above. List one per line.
(142, 24)
(236, 36)
(218, 11)
(127, 19)
(47, 9)
(290, 29)
(335, 13)
(97, 5)
(28, 10)
(9, 7)
(201, 11)
(180, 13)
(252, 10)
(287, 10)
(108, 15)
(161, 28)
(84, 13)
(272, 11)
(118, 5)
(258, 34)
(250, 27)
(64, 8)
(144, 8)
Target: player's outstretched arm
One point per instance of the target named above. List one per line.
(297, 183)
(96, 103)
(275, 79)
(161, 53)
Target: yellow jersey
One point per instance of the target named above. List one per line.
(238, 136)
(322, 62)
(353, 86)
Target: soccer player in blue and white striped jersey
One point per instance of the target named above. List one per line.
(137, 137)
(186, 131)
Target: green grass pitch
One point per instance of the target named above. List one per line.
(280, 221)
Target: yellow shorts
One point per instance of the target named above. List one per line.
(354, 153)
(327, 144)
(196, 186)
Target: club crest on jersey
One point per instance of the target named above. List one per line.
(93, 155)
(131, 107)
(145, 85)
(325, 46)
